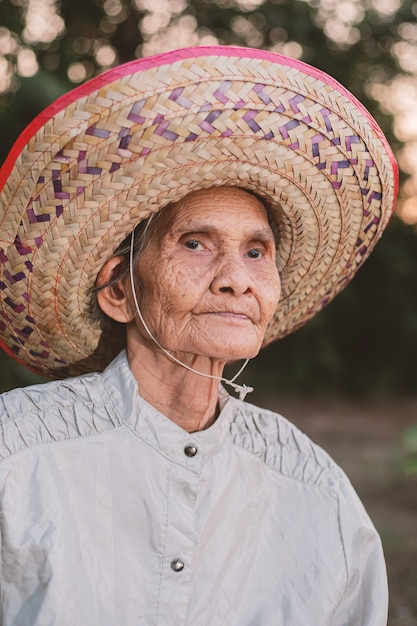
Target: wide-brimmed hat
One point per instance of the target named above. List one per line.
(105, 156)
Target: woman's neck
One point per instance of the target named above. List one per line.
(188, 399)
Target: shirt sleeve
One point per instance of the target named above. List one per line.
(364, 600)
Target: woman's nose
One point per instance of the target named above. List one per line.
(232, 276)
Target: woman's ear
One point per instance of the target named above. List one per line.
(114, 299)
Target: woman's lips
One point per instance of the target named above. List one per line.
(231, 315)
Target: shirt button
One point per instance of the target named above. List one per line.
(177, 565)
(190, 450)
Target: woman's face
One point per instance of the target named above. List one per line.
(207, 280)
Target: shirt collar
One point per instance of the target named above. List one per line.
(156, 429)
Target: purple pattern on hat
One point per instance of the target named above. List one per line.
(26, 331)
(288, 126)
(220, 91)
(162, 131)
(21, 249)
(295, 101)
(279, 109)
(375, 195)
(17, 308)
(61, 157)
(259, 90)
(325, 114)
(40, 355)
(176, 96)
(94, 170)
(315, 141)
(33, 219)
(249, 118)
(97, 132)
(239, 105)
(350, 139)
(125, 141)
(135, 111)
(207, 123)
(82, 165)
(337, 165)
(368, 164)
(191, 137)
(373, 222)
(59, 194)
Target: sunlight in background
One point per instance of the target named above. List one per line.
(42, 22)
(164, 26)
(9, 45)
(399, 98)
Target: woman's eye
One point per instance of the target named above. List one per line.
(193, 244)
(254, 253)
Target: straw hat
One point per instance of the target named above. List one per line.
(100, 159)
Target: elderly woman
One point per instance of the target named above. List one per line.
(168, 217)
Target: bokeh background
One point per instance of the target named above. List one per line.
(348, 378)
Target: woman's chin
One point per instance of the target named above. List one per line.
(226, 350)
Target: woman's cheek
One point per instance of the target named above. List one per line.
(271, 294)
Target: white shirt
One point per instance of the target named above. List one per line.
(108, 519)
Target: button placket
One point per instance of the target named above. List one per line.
(180, 540)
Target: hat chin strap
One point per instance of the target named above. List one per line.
(242, 390)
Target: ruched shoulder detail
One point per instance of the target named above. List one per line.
(55, 411)
(283, 447)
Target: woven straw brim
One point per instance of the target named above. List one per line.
(108, 154)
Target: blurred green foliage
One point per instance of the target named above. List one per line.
(365, 342)
(409, 444)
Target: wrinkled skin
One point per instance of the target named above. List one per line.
(207, 287)
(208, 283)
